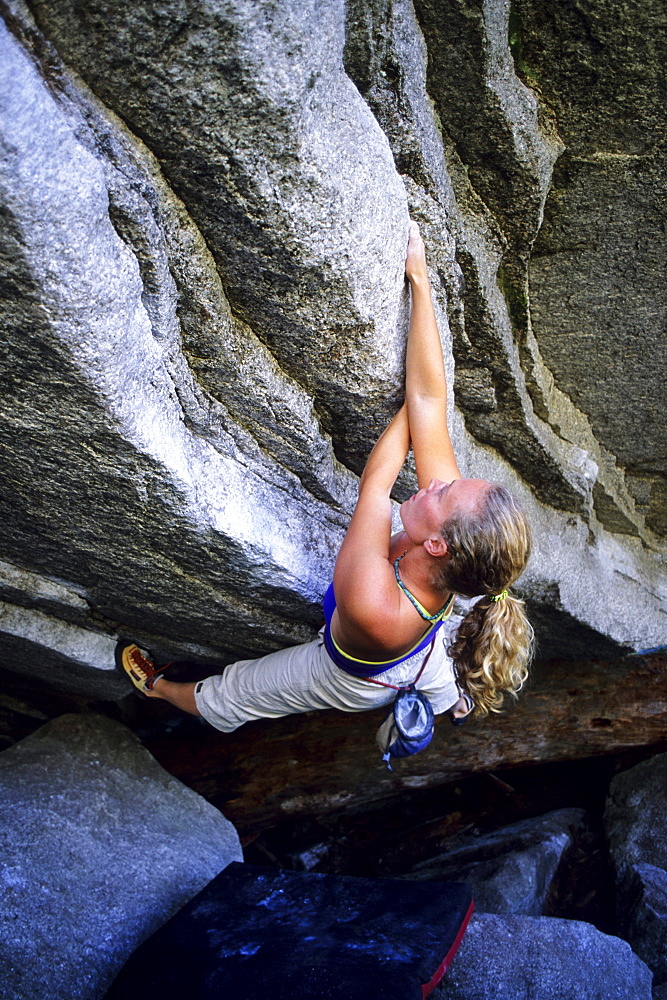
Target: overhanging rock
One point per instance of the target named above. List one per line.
(205, 318)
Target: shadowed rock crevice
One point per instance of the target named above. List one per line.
(492, 119)
(635, 825)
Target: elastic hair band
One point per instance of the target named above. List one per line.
(499, 597)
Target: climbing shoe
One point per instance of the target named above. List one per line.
(137, 664)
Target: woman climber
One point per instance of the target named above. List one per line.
(392, 593)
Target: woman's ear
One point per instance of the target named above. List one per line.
(436, 547)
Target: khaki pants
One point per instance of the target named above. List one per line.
(303, 678)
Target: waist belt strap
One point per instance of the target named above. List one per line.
(397, 687)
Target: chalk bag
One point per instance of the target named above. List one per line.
(409, 726)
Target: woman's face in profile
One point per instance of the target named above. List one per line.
(426, 511)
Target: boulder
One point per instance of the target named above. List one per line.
(204, 317)
(283, 168)
(542, 958)
(635, 815)
(100, 847)
(124, 462)
(637, 833)
(645, 896)
(511, 870)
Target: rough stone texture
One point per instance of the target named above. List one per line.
(204, 311)
(635, 815)
(596, 288)
(99, 847)
(645, 895)
(281, 165)
(564, 235)
(637, 833)
(512, 869)
(118, 488)
(542, 958)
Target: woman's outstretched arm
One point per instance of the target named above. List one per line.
(366, 592)
(425, 383)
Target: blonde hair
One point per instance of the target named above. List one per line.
(487, 550)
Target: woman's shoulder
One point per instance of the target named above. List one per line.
(381, 627)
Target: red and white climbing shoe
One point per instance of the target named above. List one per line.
(138, 666)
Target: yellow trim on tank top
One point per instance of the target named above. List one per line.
(446, 612)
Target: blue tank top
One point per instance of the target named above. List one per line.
(371, 668)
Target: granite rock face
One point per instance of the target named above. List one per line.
(100, 847)
(595, 289)
(529, 957)
(204, 218)
(637, 834)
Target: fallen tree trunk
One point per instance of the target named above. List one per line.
(325, 761)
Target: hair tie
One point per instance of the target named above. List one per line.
(499, 597)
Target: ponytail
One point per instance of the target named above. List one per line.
(492, 649)
(487, 552)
